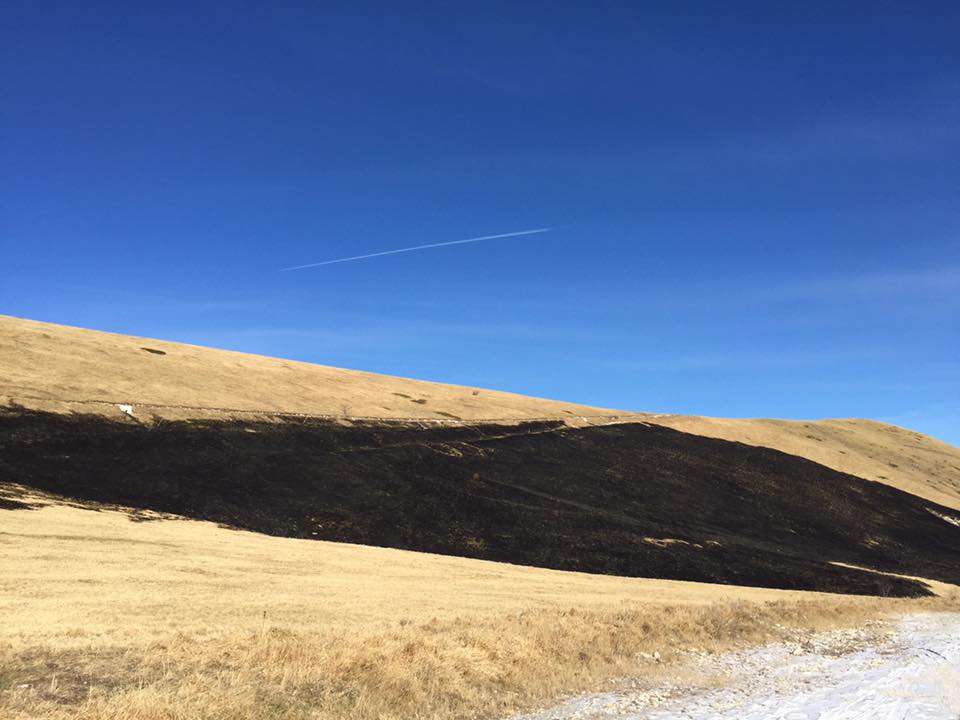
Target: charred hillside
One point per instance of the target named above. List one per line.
(627, 499)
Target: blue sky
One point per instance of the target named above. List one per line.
(756, 204)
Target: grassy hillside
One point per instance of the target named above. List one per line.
(888, 454)
(623, 495)
(65, 369)
(41, 361)
(115, 608)
(626, 499)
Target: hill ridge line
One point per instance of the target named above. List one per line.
(329, 416)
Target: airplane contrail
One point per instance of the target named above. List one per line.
(417, 247)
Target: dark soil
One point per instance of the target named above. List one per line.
(534, 494)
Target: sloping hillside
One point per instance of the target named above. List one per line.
(888, 454)
(41, 361)
(579, 489)
(66, 369)
(626, 499)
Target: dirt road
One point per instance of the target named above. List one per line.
(909, 670)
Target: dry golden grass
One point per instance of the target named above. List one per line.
(44, 365)
(57, 363)
(104, 617)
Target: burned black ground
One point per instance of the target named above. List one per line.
(629, 499)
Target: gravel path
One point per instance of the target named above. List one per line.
(907, 671)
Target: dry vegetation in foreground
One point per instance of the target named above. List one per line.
(461, 668)
(169, 619)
